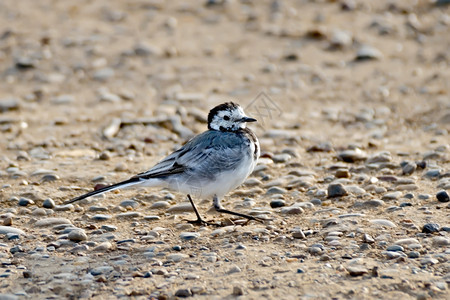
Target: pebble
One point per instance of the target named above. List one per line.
(367, 52)
(183, 293)
(187, 236)
(442, 196)
(129, 215)
(177, 257)
(102, 247)
(395, 248)
(129, 203)
(408, 167)
(181, 208)
(441, 241)
(276, 190)
(281, 158)
(237, 291)
(336, 190)
(292, 210)
(234, 269)
(352, 156)
(160, 204)
(413, 254)
(9, 104)
(51, 222)
(101, 217)
(370, 203)
(430, 228)
(383, 222)
(101, 270)
(25, 202)
(392, 196)
(406, 241)
(357, 270)
(9, 229)
(103, 74)
(48, 203)
(277, 203)
(77, 235)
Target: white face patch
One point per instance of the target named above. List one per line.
(228, 120)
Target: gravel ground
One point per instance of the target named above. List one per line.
(353, 102)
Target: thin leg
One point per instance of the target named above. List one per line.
(199, 220)
(218, 207)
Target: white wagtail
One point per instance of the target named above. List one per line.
(209, 165)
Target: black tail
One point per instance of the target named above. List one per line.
(126, 183)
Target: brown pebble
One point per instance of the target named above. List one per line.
(7, 221)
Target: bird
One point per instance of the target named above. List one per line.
(209, 165)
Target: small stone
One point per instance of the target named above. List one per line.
(395, 248)
(298, 234)
(367, 52)
(63, 99)
(336, 190)
(392, 196)
(105, 155)
(49, 178)
(25, 202)
(181, 207)
(237, 291)
(129, 215)
(188, 236)
(103, 74)
(441, 241)
(368, 239)
(357, 270)
(9, 104)
(275, 190)
(160, 204)
(129, 203)
(77, 235)
(8, 229)
(383, 222)
(413, 254)
(281, 158)
(102, 247)
(406, 241)
(51, 222)
(234, 269)
(183, 293)
(48, 203)
(177, 257)
(408, 167)
(442, 196)
(292, 210)
(101, 217)
(352, 155)
(101, 270)
(342, 173)
(277, 203)
(430, 228)
(428, 261)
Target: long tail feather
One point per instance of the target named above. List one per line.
(123, 184)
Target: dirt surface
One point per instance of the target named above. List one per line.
(353, 103)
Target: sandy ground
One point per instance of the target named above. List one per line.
(93, 92)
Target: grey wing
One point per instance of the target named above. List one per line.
(204, 156)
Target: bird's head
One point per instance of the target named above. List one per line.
(228, 116)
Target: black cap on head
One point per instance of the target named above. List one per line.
(224, 106)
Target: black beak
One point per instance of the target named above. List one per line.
(247, 119)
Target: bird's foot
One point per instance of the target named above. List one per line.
(201, 222)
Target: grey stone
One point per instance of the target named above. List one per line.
(336, 190)
(9, 229)
(129, 203)
(51, 222)
(275, 190)
(25, 202)
(352, 155)
(48, 203)
(183, 293)
(77, 235)
(101, 217)
(9, 104)
(366, 52)
(160, 204)
(430, 228)
(187, 236)
(101, 270)
(277, 203)
(395, 248)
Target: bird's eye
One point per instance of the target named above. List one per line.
(226, 118)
